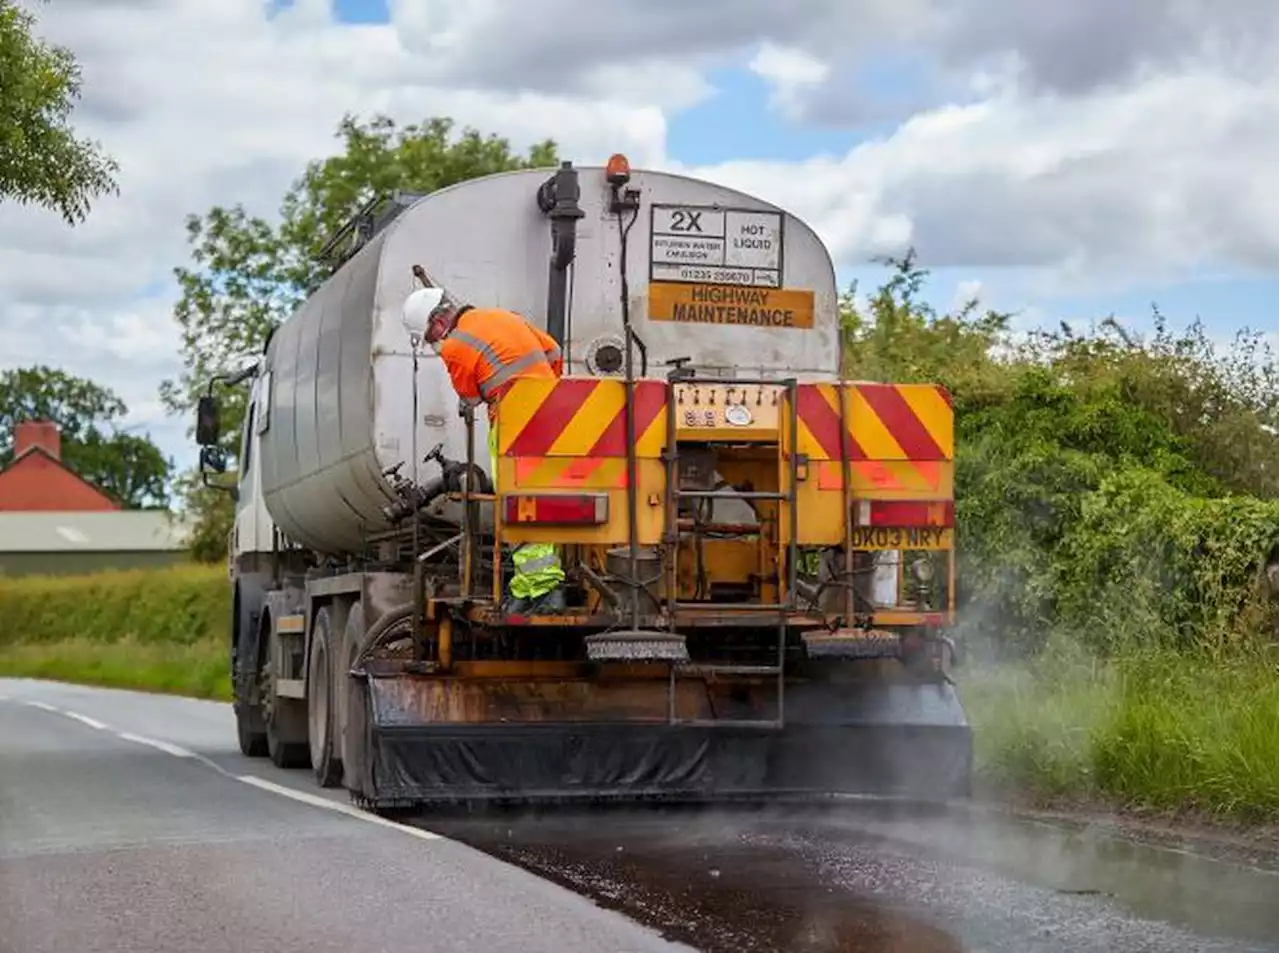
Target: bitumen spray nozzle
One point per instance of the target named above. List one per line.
(851, 644)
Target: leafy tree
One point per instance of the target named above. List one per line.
(1049, 426)
(41, 160)
(128, 468)
(247, 274)
(215, 512)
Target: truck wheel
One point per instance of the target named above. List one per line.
(284, 754)
(320, 704)
(253, 740)
(284, 719)
(250, 732)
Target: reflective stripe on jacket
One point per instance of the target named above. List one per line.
(537, 570)
(491, 347)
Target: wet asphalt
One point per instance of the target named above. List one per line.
(109, 843)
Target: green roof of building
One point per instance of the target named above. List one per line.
(111, 531)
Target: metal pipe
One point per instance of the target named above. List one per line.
(558, 199)
(444, 645)
(439, 547)
(735, 606)
(793, 550)
(467, 538)
(734, 495)
(671, 535)
(846, 499)
(629, 409)
(419, 609)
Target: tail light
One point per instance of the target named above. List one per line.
(904, 512)
(583, 509)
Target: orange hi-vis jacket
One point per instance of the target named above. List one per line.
(491, 347)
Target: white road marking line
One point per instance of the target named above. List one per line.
(159, 745)
(86, 720)
(302, 797)
(316, 801)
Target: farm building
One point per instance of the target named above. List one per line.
(37, 479)
(62, 542)
(54, 521)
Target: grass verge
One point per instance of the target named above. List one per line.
(156, 630)
(1154, 731)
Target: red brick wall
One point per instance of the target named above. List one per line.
(35, 482)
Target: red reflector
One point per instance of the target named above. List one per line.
(905, 512)
(579, 509)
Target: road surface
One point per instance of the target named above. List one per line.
(130, 822)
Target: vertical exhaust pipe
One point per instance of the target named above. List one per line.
(558, 200)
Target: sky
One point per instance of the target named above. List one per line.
(1061, 161)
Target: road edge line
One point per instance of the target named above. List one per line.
(316, 800)
(262, 784)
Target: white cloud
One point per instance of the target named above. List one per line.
(1153, 154)
(1153, 181)
(205, 103)
(792, 72)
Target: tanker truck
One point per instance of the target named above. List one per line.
(758, 554)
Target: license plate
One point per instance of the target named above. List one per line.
(903, 537)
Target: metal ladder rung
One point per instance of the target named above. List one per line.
(695, 668)
(673, 495)
(708, 494)
(736, 606)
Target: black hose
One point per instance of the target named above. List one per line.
(449, 482)
(390, 618)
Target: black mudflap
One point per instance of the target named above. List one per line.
(909, 741)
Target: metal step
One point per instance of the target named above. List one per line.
(735, 495)
(774, 607)
(695, 668)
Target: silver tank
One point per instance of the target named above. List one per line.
(339, 372)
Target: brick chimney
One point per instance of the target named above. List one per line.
(37, 433)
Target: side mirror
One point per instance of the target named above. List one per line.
(208, 422)
(213, 459)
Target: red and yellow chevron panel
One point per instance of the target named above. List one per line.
(579, 417)
(571, 473)
(885, 422)
(925, 478)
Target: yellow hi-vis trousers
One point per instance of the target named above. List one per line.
(537, 565)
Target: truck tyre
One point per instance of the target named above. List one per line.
(282, 723)
(253, 742)
(285, 754)
(250, 731)
(321, 699)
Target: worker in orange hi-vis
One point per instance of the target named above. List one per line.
(485, 350)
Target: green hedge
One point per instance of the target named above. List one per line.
(160, 630)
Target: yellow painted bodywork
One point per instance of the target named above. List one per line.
(757, 420)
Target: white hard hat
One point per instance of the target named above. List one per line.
(418, 308)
